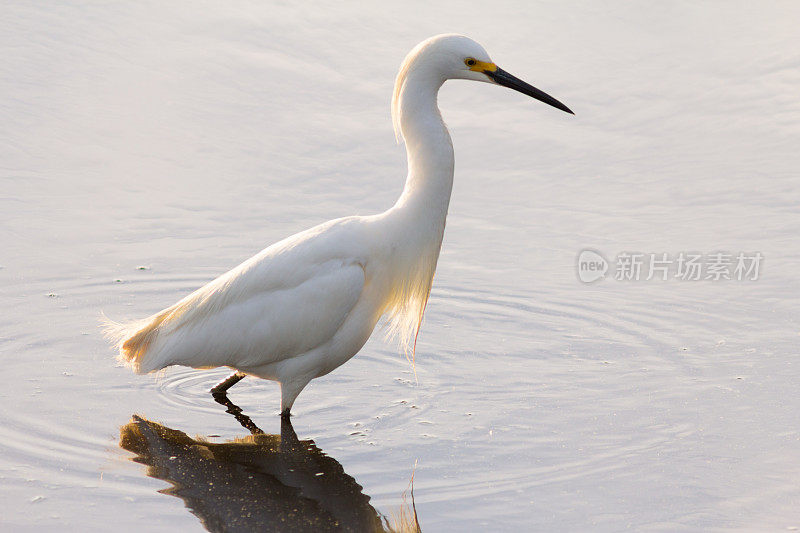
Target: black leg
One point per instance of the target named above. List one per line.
(289, 441)
(227, 383)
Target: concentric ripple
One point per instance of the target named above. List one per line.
(502, 381)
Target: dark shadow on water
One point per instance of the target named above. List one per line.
(259, 482)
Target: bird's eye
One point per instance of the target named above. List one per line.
(470, 62)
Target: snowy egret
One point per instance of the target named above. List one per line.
(307, 304)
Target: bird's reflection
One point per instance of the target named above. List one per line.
(260, 482)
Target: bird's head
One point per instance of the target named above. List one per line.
(453, 56)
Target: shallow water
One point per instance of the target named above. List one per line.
(145, 150)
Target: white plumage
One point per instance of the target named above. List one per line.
(305, 305)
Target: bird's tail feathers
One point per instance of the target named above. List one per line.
(132, 339)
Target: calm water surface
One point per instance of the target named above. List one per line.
(145, 150)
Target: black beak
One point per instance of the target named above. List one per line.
(512, 82)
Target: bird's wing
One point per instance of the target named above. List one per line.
(269, 326)
(285, 301)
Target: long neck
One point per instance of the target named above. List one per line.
(422, 208)
(428, 146)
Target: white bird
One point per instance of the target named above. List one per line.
(307, 304)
